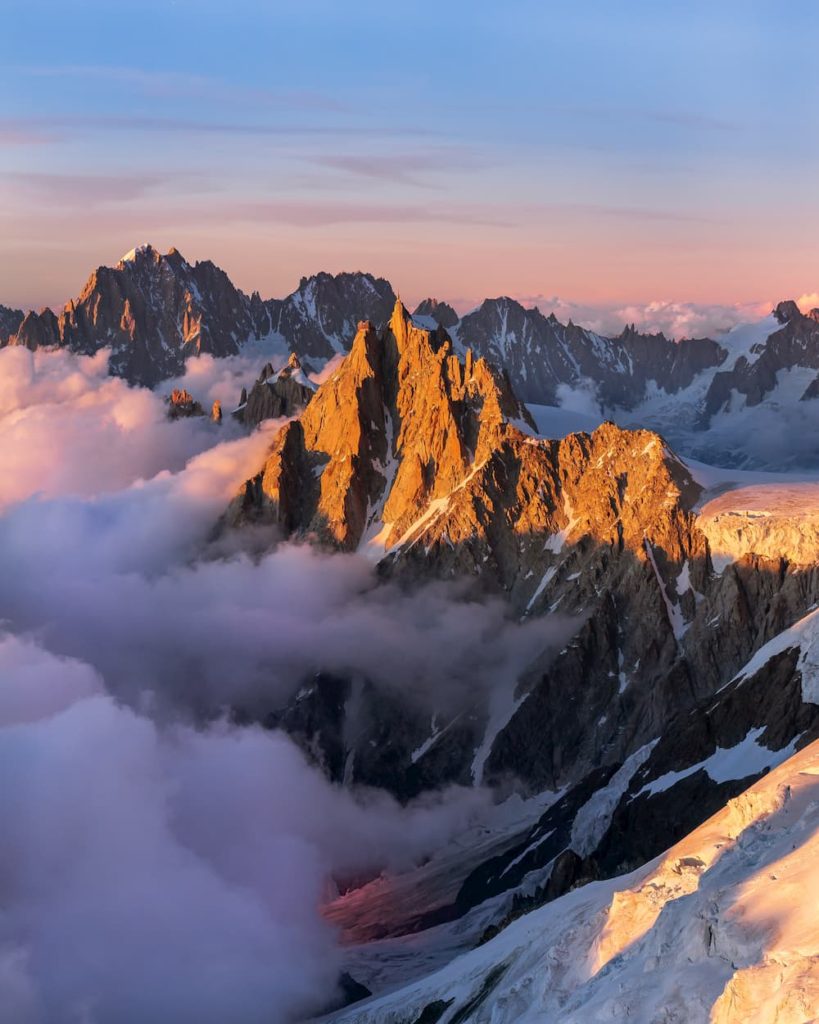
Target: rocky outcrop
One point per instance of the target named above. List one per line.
(152, 311)
(285, 392)
(181, 405)
(10, 320)
(156, 310)
(440, 312)
(319, 319)
(394, 430)
(756, 373)
(541, 354)
(426, 463)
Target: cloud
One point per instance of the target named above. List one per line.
(158, 863)
(70, 429)
(56, 126)
(88, 189)
(327, 213)
(673, 318)
(17, 133)
(165, 873)
(808, 301)
(403, 168)
(692, 119)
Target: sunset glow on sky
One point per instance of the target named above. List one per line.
(462, 149)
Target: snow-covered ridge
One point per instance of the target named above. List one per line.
(719, 929)
(772, 520)
(132, 254)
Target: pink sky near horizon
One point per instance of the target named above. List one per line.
(599, 160)
(463, 266)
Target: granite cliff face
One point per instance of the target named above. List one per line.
(152, 311)
(10, 320)
(541, 354)
(400, 425)
(319, 319)
(276, 393)
(428, 465)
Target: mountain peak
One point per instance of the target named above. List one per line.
(441, 312)
(787, 310)
(140, 252)
(399, 425)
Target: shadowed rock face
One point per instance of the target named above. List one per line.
(152, 311)
(795, 344)
(319, 319)
(275, 394)
(10, 320)
(441, 312)
(540, 354)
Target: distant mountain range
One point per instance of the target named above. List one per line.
(690, 671)
(154, 311)
(689, 666)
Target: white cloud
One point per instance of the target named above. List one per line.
(674, 319)
(152, 870)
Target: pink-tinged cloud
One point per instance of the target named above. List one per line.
(83, 189)
(324, 213)
(63, 124)
(408, 168)
(673, 319)
(20, 132)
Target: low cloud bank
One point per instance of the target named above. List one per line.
(157, 872)
(673, 319)
(68, 428)
(151, 869)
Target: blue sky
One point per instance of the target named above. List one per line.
(599, 152)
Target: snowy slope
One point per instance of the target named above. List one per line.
(721, 928)
(773, 520)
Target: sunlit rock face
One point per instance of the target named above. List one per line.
(427, 464)
(398, 427)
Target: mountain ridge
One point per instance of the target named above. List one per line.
(155, 311)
